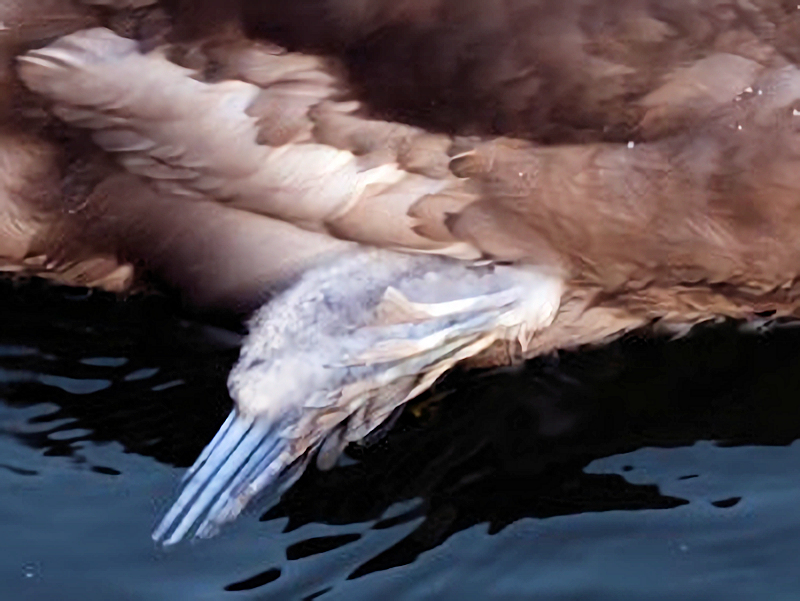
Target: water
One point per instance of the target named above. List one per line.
(645, 470)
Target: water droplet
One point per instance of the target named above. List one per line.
(29, 570)
(739, 127)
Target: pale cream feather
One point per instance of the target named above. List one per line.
(213, 139)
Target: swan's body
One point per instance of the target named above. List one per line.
(393, 250)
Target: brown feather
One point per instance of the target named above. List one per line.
(549, 70)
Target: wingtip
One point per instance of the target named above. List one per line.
(246, 457)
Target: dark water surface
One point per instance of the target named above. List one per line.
(645, 470)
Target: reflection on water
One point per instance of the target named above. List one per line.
(644, 468)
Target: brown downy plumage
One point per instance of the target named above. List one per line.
(29, 178)
(48, 171)
(549, 70)
(647, 172)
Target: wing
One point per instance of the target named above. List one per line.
(270, 138)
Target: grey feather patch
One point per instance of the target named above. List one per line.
(325, 364)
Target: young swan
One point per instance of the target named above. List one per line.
(354, 337)
(695, 224)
